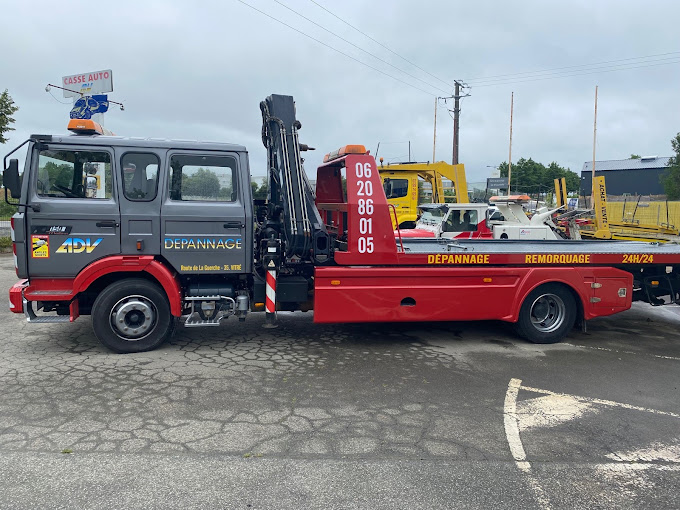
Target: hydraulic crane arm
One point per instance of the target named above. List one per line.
(291, 210)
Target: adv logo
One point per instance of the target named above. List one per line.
(76, 245)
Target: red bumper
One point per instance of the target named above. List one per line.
(16, 295)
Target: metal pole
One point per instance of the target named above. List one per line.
(512, 104)
(434, 136)
(409, 151)
(456, 120)
(592, 177)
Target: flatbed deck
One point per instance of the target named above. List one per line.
(517, 252)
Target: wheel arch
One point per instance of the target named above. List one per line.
(534, 281)
(96, 277)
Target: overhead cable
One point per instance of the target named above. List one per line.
(359, 47)
(335, 49)
(486, 78)
(381, 44)
(585, 72)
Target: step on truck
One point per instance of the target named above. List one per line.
(138, 233)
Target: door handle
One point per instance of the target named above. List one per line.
(107, 223)
(233, 224)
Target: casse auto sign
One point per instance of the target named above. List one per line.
(96, 82)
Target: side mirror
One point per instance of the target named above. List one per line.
(11, 179)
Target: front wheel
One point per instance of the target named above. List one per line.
(132, 315)
(547, 315)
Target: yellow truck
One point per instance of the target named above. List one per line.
(400, 182)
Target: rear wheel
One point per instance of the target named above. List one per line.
(547, 315)
(132, 315)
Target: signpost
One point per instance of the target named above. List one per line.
(88, 84)
(497, 183)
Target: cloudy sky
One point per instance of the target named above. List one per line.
(197, 70)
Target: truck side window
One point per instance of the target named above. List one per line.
(469, 221)
(74, 174)
(140, 176)
(202, 178)
(452, 223)
(395, 188)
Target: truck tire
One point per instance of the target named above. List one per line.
(132, 315)
(547, 315)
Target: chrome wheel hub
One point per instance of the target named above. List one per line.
(133, 317)
(548, 313)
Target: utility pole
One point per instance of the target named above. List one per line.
(592, 176)
(512, 104)
(456, 118)
(434, 138)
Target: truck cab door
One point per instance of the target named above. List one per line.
(75, 218)
(139, 172)
(206, 214)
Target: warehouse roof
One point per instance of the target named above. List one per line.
(645, 163)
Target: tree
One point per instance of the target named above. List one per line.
(671, 179)
(259, 192)
(635, 156)
(7, 109)
(204, 184)
(529, 176)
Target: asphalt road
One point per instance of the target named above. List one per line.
(461, 415)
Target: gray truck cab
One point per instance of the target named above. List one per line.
(87, 196)
(137, 232)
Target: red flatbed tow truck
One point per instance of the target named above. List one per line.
(331, 251)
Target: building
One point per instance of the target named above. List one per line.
(627, 176)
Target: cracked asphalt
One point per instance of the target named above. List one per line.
(341, 416)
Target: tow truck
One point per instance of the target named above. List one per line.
(170, 233)
(505, 218)
(400, 182)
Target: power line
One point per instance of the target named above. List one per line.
(359, 47)
(381, 44)
(616, 67)
(595, 71)
(487, 78)
(334, 49)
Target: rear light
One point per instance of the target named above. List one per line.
(14, 245)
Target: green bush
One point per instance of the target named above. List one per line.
(6, 210)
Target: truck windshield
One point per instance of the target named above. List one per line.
(432, 216)
(74, 174)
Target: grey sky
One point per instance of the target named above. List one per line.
(199, 69)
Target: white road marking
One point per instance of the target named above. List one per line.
(622, 352)
(671, 312)
(600, 401)
(636, 466)
(626, 462)
(515, 443)
(512, 422)
(551, 410)
(654, 452)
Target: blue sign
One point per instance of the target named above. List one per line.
(86, 106)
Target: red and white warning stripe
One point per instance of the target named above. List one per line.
(270, 304)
